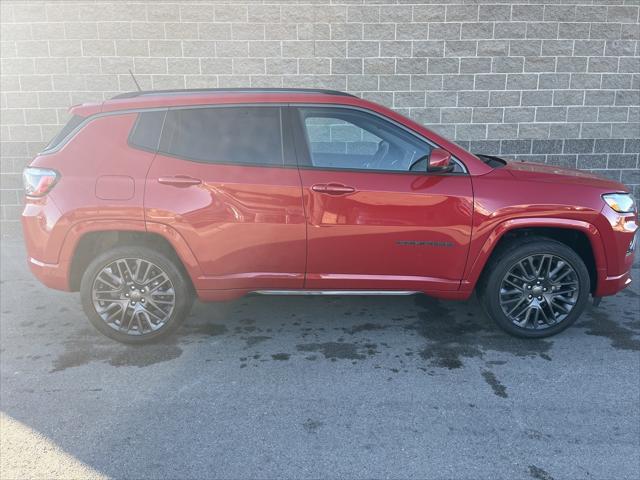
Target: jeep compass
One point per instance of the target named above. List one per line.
(151, 199)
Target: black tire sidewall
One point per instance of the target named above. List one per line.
(184, 296)
(490, 297)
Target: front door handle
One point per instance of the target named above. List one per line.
(332, 188)
(179, 181)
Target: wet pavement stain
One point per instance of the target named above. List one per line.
(281, 356)
(599, 324)
(71, 359)
(627, 292)
(143, 356)
(311, 426)
(498, 388)
(87, 346)
(205, 329)
(83, 350)
(334, 350)
(536, 435)
(255, 340)
(365, 327)
(633, 325)
(539, 473)
(448, 356)
(451, 338)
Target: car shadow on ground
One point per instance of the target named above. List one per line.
(395, 333)
(446, 353)
(399, 332)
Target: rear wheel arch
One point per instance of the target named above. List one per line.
(93, 243)
(135, 293)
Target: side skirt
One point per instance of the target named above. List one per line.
(225, 295)
(335, 292)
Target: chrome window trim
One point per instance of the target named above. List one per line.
(127, 111)
(95, 116)
(387, 119)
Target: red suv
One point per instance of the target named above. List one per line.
(150, 199)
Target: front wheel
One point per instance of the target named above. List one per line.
(135, 294)
(535, 289)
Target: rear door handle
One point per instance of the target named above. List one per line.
(332, 188)
(179, 181)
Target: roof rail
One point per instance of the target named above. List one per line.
(229, 90)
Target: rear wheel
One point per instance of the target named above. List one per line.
(135, 294)
(535, 289)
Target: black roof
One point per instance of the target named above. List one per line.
(230, 90)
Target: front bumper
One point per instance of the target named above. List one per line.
(613, 285)
(620, 239)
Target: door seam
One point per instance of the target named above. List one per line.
(290, 113)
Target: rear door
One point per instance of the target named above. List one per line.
(225, 178)
(376, 219)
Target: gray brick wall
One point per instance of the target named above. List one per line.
(555, 81)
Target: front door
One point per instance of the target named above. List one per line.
(376, 220)
(225, 178)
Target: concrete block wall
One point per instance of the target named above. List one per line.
(548, 81)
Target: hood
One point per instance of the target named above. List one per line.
(551, 174)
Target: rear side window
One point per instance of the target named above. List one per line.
(66, 130)
(238, 135)
(147, 129)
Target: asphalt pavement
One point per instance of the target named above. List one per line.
(315, 387)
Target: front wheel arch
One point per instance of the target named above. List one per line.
(492, 288)
(582, 237)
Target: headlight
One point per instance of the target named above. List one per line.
(620, 202)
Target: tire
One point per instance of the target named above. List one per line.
(568, 289)
(130, 298)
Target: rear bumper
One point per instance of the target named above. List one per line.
(43, 237)
(53, 275)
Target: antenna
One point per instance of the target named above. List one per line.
(134, 80)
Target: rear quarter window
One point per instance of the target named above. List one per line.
(70, 126)
(145, 133)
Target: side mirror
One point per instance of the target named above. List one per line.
(439, 161)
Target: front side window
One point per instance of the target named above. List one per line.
(352, 139)
(236, 135)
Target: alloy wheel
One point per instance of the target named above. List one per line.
(539, 291)
(133, 296)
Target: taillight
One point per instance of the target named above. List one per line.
(39, 181)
